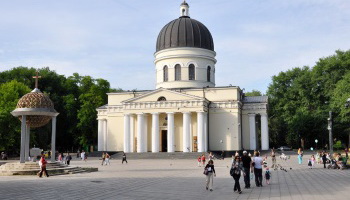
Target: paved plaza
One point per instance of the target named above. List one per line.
(176, 179)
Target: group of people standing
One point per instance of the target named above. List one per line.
(241, 165)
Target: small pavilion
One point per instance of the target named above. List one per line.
(35, 109)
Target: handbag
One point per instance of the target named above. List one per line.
(205, 171)
(232, 171)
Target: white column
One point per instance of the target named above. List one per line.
(53, 140)
(132, 132)
(264, 132)
(126, 133)
(205, 132)
(155, 132)
(186, 144)
(171, 132)
(23, 139)
(100, 141)
(252, 131)
(145, 133)
(105, 134)
(200, 131)
(140, 132)
(26, 154)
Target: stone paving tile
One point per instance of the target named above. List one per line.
(177, 179)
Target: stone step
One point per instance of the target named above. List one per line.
(10, 169)
(160, 155)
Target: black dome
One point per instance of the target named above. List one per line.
(185, 32)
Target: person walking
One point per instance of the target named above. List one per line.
(273, 158)
(59, 159)
(257, 164)
(235, 172)
(68, 159)
(300, 156)
(210, 176)
(223, 155)
(313, 160)
(78, 153)
(324, 159)
(203, 160)
(103, 158)
(267, 176)
(247, 162)
(124, 159)
(82, 155)
(42, 164)
(107, 159)
(199, 159)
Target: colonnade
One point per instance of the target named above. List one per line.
(102, 135)
(264, 132)
(25, 140)
(141, 134)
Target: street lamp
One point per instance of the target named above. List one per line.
(347, 105)
(330, 129)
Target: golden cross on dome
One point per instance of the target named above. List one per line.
(36, 79)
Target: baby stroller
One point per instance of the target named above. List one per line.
(333, 165)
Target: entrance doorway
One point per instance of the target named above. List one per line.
(164, 141)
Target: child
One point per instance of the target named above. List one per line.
(265, 161)
(313, 160)
(267, 176)
(199, 161)
(203, 160)
(309, 163)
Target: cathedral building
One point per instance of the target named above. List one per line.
(186, 112)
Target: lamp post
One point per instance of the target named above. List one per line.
(330, 129)
(347, 105)
(316, 142)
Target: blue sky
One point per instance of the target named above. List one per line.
(115, 39)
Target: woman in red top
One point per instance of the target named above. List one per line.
(42, 164)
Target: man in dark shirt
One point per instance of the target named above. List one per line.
(247, 162)
(324, 159)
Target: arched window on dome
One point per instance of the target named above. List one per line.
(177, 72)
(208, 73)
(165, 73)
(191, 72)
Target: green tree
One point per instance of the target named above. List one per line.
(75, 98)
(10, 93)
(253, 93)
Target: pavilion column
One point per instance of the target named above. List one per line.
(171, 132)
(100, 135)
(186, 132)
(140, 132)
(155, 132)
(252, 131)
(53, 140)
(205, 132)
(27, 143)
(126, 133)
(200, 131)
(132, 132)
(264, 132)
(23, 139)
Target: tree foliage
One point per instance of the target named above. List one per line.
(300, 99)
(75, 98)
(253, 93)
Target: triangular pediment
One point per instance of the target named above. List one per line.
(169, 95)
